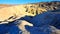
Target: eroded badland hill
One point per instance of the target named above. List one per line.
(33, 18)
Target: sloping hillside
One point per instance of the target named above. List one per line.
(32, 9)
(34, 18)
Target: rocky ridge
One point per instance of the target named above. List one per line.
(38, 18)
(28, 9)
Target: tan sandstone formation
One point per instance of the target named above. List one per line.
(14, 12)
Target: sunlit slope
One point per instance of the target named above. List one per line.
(18, 11)
(14, 12)
(32, 9)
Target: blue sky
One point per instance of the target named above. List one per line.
(22, 1)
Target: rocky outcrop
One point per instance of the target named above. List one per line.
(37, 8)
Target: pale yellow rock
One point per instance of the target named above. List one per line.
(35, 9)
(18, 11)
(15, 11)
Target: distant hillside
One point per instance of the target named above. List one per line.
(4, 5)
